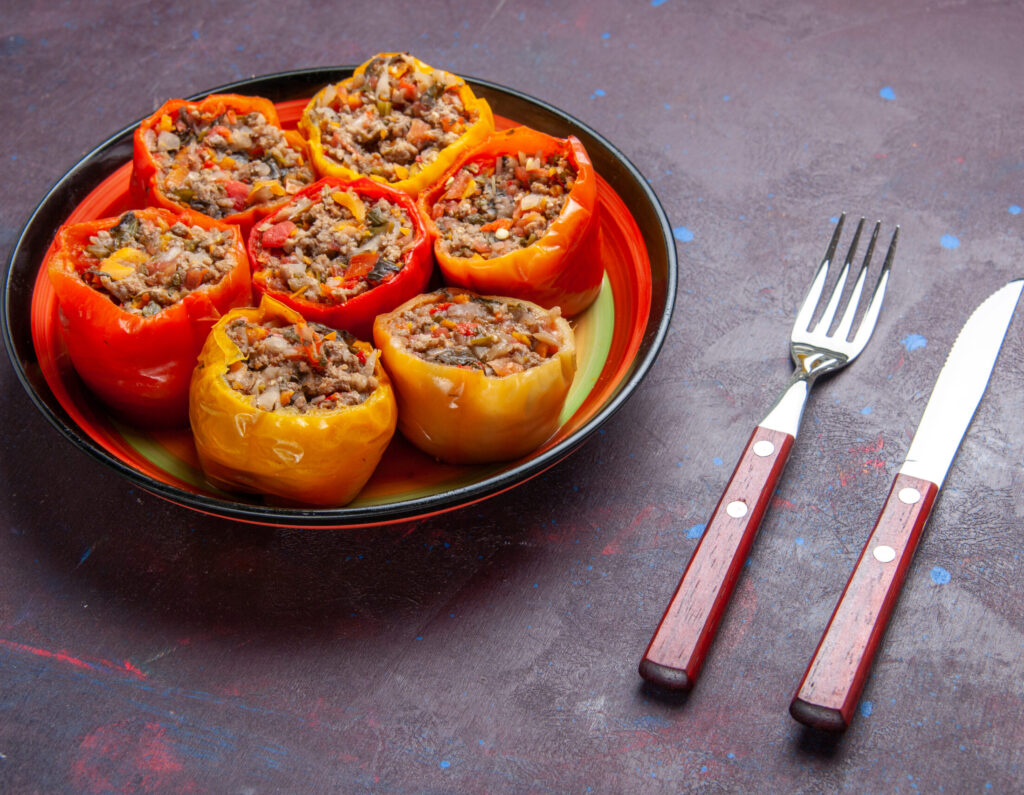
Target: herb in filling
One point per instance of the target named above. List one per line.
(332, 247)
(392, 120)
(498, 337)
(222, 165)
(300, 366)
(145, 266)
(492, 209)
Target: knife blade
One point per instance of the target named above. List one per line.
(835, 677)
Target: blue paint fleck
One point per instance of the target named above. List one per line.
(800, 541)
(598, 93)
(445, 764)
(834, 219)
(887, 93)
(731, 755)
(866, 708)
(726, 98)
(716, 461)
(195, 34)
(939, 575)
(682, 234)
(866, 410)
(703, 768)
(913, 341)
(606, 35)
(696, 531)
(85, 556)
(950, 241)
(1014, 209)
(657, 3)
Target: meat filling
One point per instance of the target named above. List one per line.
(301, 366)
(225, 164)
(492, 209)
(393, 119)
(499, 337)
(332, 247)
(145, 266)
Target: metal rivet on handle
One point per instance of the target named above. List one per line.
(909, 496)
(884, 553)
(763, 448)
(737, 509)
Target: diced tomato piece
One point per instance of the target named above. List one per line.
(440, 307)
(361, 264)
(419, 133)
(496, 224)
(458, 187)
(237, 191)
(275, 236)
(466, 329)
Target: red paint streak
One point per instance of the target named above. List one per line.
(125, 756)
(644, 522)
(778, 502)
(77, 662)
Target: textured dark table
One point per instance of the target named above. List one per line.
(144, 647)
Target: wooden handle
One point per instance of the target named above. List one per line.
(834, 680)
(676, 652)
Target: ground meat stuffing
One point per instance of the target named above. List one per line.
(145, 266)
(492, 209)
(499, 337)
(392, 120)
(331, 247)
(224, 164)
(301, 366)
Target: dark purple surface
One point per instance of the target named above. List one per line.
(144, 647)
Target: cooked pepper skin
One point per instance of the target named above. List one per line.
(140, 366)
(356, 314)
(462, 416)
(144, 187)
(325, 165)
(320, 458)
(561, 268)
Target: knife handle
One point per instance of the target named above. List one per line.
(676, 652)
(835, 678)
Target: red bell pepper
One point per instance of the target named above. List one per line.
(563, 266)
(251, 198)
(139, 364)
(384, 288)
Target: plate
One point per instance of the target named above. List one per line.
(618, 337)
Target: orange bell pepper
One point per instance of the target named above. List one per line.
(563, 267)
(253, 198)
(354, 97)
(322, 457)
(139, 365)
(462, 415)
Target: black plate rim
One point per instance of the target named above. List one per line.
(94, 165)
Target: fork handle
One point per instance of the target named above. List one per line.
(676, 652)
(835, 678)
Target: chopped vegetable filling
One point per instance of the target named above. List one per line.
(301, 366)
(334, 247)
(391, 120)
(491, 209)
(224, 164)
(145, 266)
(498, 337)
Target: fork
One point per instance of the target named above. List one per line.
(674, 657)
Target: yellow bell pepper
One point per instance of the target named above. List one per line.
(346, 98)
(322, 457)
(463, 416)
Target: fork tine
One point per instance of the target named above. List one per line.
(806, 313)
(867, 325)
(837, 292)
(843, 331)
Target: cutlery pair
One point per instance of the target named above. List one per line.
(829, 691)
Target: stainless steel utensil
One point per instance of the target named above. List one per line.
(834, 680)
(676, 652)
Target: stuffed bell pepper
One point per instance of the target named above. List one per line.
(342, 252)
(478, 378)
(288, 408)
(225, 156)
(517, 216)
(137, 296)
(396, 120)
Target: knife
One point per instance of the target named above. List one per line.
(833, 682)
